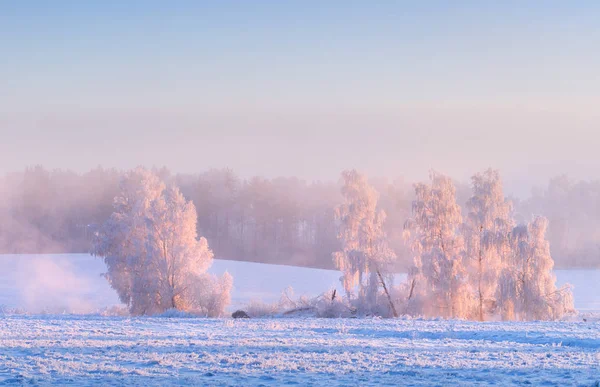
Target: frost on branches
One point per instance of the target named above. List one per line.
(483, 268)
(527, 289)
(154, 257)
(365, 257)
(486, 229)
(438, 283)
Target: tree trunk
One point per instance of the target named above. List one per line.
(387, 294)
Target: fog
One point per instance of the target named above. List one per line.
(528, 145)
(283, 220)
(54, 284)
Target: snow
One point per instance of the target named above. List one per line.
(94, 350)
(91, 349)
(73, 283)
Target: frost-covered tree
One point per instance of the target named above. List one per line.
(527, 289)
(438, 282)
(154, 258)
(365, 257)
(485, 231)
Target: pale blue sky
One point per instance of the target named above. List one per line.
(303, 87)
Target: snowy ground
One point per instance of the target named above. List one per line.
(88, 350)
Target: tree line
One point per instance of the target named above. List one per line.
(279, 220)
(480, 266)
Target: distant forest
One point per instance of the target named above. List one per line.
(282, 220)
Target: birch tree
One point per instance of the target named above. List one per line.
(154, 257)
(485, 231)
(365, 257)
(527, 288)
(438, 279)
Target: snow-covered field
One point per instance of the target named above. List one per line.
(93, 350)
(90, 349)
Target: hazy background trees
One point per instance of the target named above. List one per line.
(56, 211)
(573, 212)
(280, 220)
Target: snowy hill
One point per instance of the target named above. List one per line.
(73, 283)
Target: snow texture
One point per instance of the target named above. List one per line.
(91, 349)
(94, 350)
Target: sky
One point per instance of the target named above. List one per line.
(304, 88)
